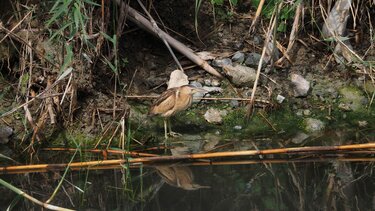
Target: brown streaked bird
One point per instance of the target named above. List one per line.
(173, 101)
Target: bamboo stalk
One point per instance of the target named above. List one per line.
(212, 163)
(257, 152)
(103, 151)
(294, 150)
(200, 98)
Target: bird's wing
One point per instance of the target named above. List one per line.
(164, 103)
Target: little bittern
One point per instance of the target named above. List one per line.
(172, 101)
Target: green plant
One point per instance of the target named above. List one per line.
(287, 12)
(70, 16)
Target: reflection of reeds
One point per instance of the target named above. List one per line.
(27, 196)
(300, 154)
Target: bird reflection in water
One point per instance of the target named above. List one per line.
(179, 176)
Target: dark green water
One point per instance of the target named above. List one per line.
(283, 182)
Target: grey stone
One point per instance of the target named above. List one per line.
(234, 103)
(221, 62)
(257, 40)
(238, 57)
(237, 127)
(252, 59)
(240, 75)
(215, 116)
(301, 85)
(313, 125)
(211, 89)
(5, 132)
(238, 45)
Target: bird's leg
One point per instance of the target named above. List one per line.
(165, 129)
(171, 133)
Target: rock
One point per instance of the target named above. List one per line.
(344, 107)
(306, 112)
(234, 103)
(352, 97)
(252, 59)
(206, 55)
(196, 84)
(301, 85)
(280, 99)
(221, 62)
(238, 45)
(257, 40)
(299, 137)
(238, 57)
(215, 116)
(207, 82)
(240, 75)
(215, 82)
(211, 89)
(197, 96)
(237, 127)
(313, 125)
(5, 133)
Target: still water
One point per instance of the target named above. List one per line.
(303, 182)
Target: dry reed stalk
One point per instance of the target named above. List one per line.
(103, 151)
(272, 24)
(147, 160)
(256, 18)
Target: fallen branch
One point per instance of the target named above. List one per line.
(142, 22)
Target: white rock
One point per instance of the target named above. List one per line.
(301, 85)
(240, 75)
(215, 116)
(280, 98)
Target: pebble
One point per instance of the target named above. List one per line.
(280, 99)
(234, 103)
(238, 57)
(215, 82)
(252, 59)
(5, 132)
(306, 112)
(313, 125)
(215, 116)
(301, 85)
(221, 62)
(237, 127)
(240, 75)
